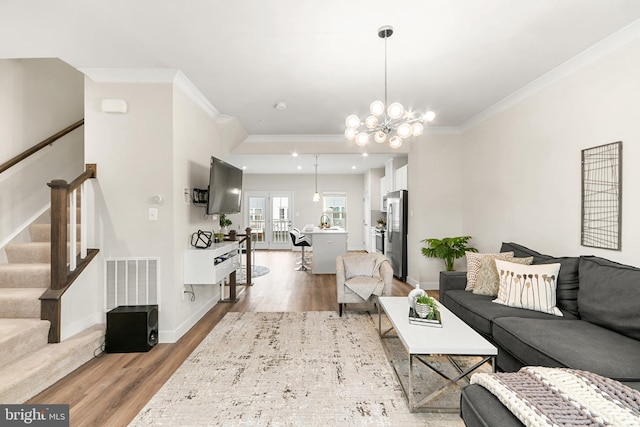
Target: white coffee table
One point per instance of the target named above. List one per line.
(454, 338)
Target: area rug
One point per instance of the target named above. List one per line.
(288, 369)
(256, 271)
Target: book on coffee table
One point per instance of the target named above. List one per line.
(414, 319)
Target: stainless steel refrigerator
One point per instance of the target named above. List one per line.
(396, 245)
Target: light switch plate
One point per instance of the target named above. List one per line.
(153, 214)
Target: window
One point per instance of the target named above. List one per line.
(335, 207)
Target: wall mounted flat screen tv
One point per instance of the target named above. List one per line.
(225, 188)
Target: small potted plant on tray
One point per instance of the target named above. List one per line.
(426, 308)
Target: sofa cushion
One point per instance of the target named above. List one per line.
(528, 286)
(480, 408)
(609, 295)
(567, 290)
(478, 311)
(488, 282)
(576, 344)
(473, 265)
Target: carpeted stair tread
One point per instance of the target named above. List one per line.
(21, 303)
(23, 379)
(25, 275)
(42, 232)
(39, 252)
(19, 337)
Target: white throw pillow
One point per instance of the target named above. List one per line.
(473, 265)
(528, 286)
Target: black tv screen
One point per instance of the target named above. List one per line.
(225, 188)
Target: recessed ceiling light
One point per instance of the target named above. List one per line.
(244, 167)
(294, 154)
(353, 167)
(299, 167)
(365, 154)
(280, 105)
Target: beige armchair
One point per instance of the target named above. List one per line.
(362, 277)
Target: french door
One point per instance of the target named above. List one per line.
(269, 216)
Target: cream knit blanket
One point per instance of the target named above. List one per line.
(365, 286)
(540, 396)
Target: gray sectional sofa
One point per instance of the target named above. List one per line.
(598, 332)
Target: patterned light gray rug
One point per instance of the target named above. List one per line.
(256, 271)
(289, 369)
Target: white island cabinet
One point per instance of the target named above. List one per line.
(326, 246)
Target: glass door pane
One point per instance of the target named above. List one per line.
(269, 216)
(258, 219)
(280, 221)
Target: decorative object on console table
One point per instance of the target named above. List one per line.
(448, 249)
(224, 224)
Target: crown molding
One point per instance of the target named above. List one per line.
(604, 47)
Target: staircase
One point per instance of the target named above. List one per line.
(28, 364)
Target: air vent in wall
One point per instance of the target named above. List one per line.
(131, 281)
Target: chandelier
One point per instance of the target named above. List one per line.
(387, 122)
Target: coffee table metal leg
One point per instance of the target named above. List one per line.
(410, 391)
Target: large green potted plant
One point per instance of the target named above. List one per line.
(448, 249)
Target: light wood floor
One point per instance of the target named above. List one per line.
(112, 389)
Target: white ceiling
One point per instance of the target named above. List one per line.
(323, 58)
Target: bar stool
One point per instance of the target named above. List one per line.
(302, 241)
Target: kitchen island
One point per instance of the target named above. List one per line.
(326, 245)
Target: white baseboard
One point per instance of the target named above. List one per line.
(82, 324)
(428, 286)
(171, 336)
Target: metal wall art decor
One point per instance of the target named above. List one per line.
(602, 196)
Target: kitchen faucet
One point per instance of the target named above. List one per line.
(323, 223)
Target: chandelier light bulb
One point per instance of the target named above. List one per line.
(417, 129)
(405, 130)
(429, 116)
(395, 110)
(362, 139)
(395, 142)
(316, 197)
(377, 108)
(371, 122)
(350, 133)
(380, 137)
(353, 121)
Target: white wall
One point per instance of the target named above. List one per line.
(159, 147)
(308, 212)
(435, 182)
(516, 176)
(39, 98)
(524, 166)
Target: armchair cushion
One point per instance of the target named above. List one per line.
(359, 265)
(360, 275)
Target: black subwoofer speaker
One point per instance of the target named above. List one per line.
(132, 328)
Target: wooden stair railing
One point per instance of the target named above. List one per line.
(66, 265)
(39, 146)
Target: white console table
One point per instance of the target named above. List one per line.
(210, 266)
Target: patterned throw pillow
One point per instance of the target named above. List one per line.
(487, 281)
(473, 264)
(528, 286)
